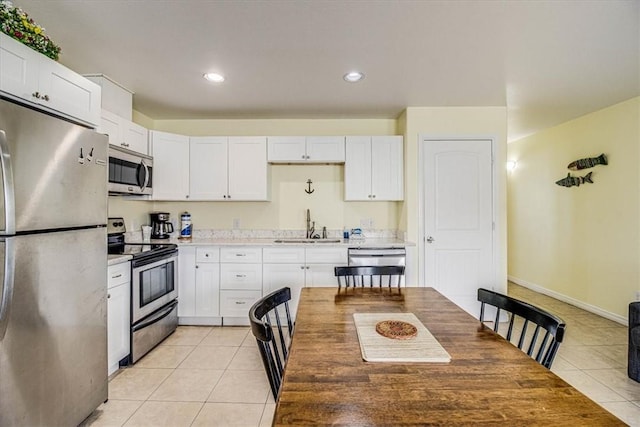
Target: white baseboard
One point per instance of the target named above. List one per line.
(580, 304)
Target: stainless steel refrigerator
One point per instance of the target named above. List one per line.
(53, 269)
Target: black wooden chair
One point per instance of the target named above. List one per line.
(380, 275)
(633, 366)
(553, 326)
(267, 316)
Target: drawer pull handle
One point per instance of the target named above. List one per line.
(240, 302)
(241, 254)
(116, 276)
(241, 275)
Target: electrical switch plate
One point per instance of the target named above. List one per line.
(236, 223)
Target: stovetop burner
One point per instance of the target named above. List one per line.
(118, 246)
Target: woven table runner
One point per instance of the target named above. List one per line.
(377, 348)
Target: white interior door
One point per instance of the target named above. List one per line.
(458, 212)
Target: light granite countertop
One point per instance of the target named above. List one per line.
(350, 243)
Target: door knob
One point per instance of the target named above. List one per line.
(430, 239)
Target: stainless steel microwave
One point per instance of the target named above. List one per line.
(130, 172)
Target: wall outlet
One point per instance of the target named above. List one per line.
(366, 223)
(236, 223)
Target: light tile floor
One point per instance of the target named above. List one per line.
(213, 376)
(593, 356)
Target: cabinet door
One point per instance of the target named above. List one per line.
(118, 324)
(248, 174)
(208, 168)
(170, 166)
(135, 137)
(357, 168)
(387, 168)
(187, 281)
(286, 149)
(18, 68)
(321, 149)
(110, 125)
(276, 276)
(320, 275)
(207, 289)
(69, 92)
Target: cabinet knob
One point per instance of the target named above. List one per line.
(374, 196)
(36, 95)
(302, 267)
(228, 196)
(108, 295)
(224, 196)
(46, 97)
(197, 266)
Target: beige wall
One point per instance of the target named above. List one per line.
(286, 210)
(582, 242)
(418, 122)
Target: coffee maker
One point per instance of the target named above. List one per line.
(161, 225)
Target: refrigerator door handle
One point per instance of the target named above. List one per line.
(9, 201)
(7, 281)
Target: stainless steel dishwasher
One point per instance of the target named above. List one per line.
(377, 256)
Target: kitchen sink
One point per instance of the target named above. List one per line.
(307, 241)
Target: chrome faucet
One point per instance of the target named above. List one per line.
(310, 228)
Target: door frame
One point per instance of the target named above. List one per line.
(425, 139)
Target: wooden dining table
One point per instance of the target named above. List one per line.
(487, 381)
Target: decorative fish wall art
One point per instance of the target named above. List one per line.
(588, 162)
(575, 181)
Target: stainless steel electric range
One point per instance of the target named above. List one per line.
(154, 288)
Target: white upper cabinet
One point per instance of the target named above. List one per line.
(170, 165)
(306, 149)
(31, 76)
(248, 172)
(374, 168)
(208, 168)
(123, 133)
(230, 168)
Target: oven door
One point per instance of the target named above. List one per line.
(153, 285)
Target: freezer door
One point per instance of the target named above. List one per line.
(54, 173)
(53, 356)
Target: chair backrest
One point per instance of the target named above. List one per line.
(266, 317)
(553, 326)
(379, 275)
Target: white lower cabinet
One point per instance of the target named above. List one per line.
(118, 320)
(218, 285)
(199, 285)
(240, 282)
(297, 268)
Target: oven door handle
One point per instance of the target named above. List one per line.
(155, 317)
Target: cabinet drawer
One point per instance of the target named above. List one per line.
(207, 254)
(241, 276)
(241, 255)
(237, 303)
(327, 255)
(119, 274)
(290, 255)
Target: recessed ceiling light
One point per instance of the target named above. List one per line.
(354, 76)
(214, 77)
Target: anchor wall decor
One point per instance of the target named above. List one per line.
(309, 190)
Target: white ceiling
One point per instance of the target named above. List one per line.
(546, 61)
